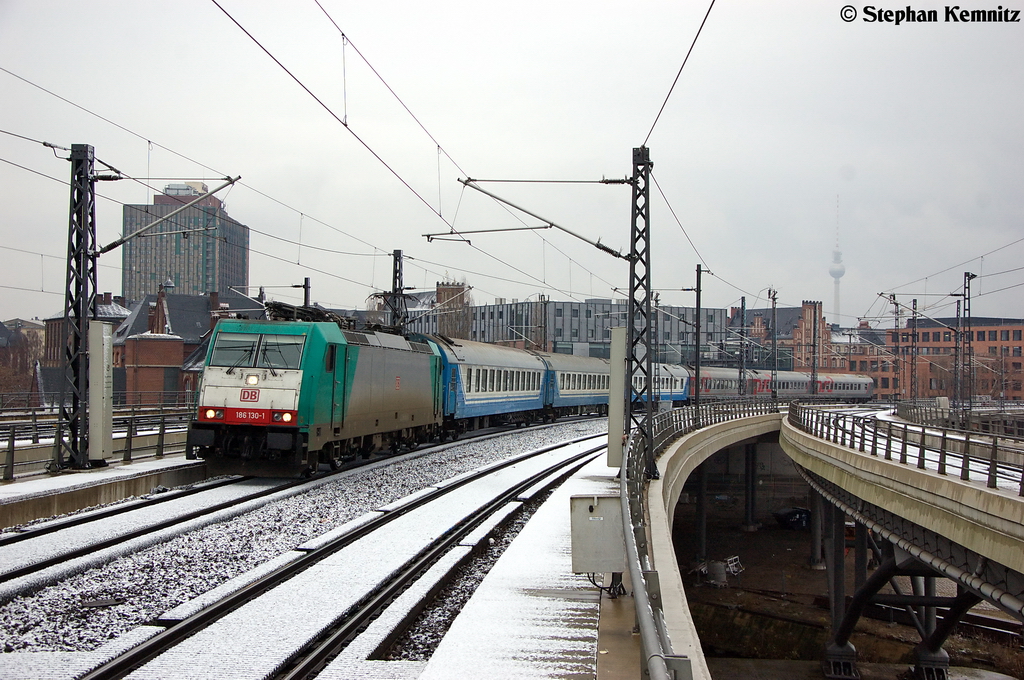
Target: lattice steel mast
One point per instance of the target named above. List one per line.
(638, 340)
(79, 306)
(968, 351)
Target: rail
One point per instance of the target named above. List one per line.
(658, 658)
(999, 459)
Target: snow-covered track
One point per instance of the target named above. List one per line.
(79, 536)
(318, 599)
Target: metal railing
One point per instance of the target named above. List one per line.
(660, 661)
(23, 402)
(128, 423)
(999, 459)
(1006, 419)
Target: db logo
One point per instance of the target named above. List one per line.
(250, 395)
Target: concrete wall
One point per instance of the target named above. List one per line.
(675, 465)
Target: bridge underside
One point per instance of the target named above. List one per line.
(902, 548)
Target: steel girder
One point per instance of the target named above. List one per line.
(918, 551)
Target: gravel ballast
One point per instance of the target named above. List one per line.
(92, 608)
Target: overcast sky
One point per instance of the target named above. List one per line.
(787, 126)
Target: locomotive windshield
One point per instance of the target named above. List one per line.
(280, 351)
(246, 350)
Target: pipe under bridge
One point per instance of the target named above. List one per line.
(928, 503)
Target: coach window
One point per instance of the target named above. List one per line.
(490, 380)
(469, 380)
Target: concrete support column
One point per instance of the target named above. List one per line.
(840, 659)
(750, 488)
(817, 510)
(702, 512)
(835, 553)
(930, 618)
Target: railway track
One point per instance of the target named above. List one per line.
(64, 540)
(32, 551)
(381, 553)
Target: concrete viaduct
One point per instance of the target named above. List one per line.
(927, 502)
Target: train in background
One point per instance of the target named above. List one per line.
(284, 397)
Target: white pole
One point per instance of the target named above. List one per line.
(617, 398)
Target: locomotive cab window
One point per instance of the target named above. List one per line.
(263, 351)
(234, 349)
(280, 351)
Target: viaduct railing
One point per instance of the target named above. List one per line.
(1006, 419)
(658, 658)
(998, 459)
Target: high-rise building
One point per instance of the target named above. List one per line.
(200, 250)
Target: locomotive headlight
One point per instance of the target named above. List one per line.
(252, 379)
(286, 417)
(214, 414)
(210, 413)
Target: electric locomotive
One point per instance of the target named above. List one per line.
(281, 397)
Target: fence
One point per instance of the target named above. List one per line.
(27, 401)
(968, 453)
(1007, 419)
(661, 663)
(37, 453)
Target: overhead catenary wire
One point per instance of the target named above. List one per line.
(330, 111)
(440, 149)
(676, 80)
(173, 152)
(360, 140)
(151, 144)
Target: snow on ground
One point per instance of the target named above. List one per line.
(90, 609)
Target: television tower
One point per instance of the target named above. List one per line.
(837, 269)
